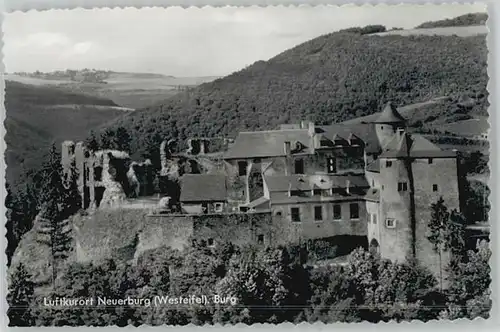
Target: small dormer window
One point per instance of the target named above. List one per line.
(317, 192)
(388, 163)
(430, 160)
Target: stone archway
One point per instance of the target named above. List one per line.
(374, 246)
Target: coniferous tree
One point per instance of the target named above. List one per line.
(92, 142)
(123, 139)
(52, 219)
(438, 232)
(107, 139)
(20, 297)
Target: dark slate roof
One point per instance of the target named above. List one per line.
(203, 188)
(364, 131)
(310, 182)
(390, 115)
(270, 143)
(374, 166)
(261, 203)
(415, 146)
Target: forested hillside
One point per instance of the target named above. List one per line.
(38, 116)
(464, 20)
(331, 78)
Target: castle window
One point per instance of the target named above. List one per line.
(390, 223)
(388, 163)
(337, 212)
(318, 213)
(430, 160)
(242, 168)
(218, 207)
(260, 239)
(295, 212)
(210, 242)
(434, 187)
(402, 186)
(97, 173)
(331, 166)
(354, 210)
(299, 166)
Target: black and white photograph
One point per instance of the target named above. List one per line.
(225, 165)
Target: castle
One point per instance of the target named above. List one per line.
(371, 179)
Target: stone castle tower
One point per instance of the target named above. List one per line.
(414, 173)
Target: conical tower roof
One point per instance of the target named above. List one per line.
(390, 115)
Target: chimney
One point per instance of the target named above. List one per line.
(287, 148)
(348, 186)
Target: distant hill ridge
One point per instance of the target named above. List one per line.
(464, 20)
(332, 78)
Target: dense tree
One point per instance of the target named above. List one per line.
(470, 285)
(20, 297)
(92, 142)
(476, 201)
(116, 139)
(269, 285)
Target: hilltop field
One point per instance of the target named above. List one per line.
(130, 90)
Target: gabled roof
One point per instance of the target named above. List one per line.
(203, 188)
(270, 143)
(374, 166)
(365, 131)
(415, 146)
(261, 203)
(390, 115)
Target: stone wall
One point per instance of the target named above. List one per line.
(443, 173)
(238, 228)
(374, 224)
(395, 243)
(308, 228)
(123, 234)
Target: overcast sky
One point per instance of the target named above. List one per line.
(186, 42)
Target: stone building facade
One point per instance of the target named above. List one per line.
(373, 180)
